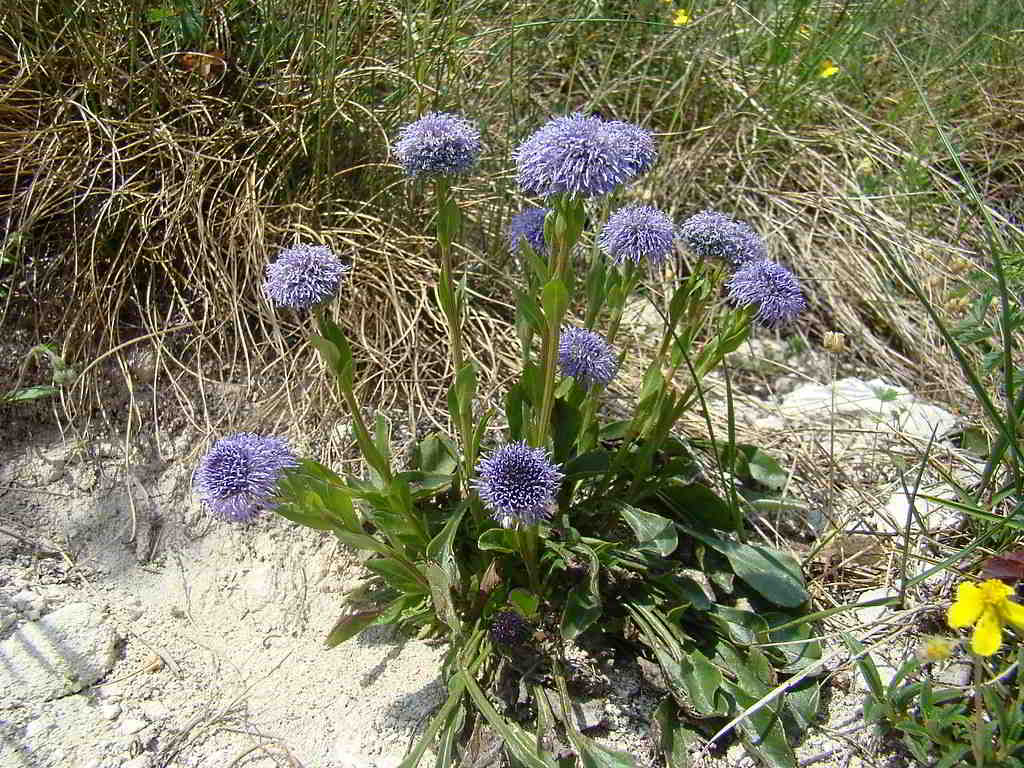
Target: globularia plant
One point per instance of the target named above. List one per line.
(569, 526)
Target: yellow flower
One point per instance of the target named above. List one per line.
(828, 68)
(682, 18)
(988, 607)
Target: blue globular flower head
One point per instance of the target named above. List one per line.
(518, 484)
(238, 477)
(509, 628)
(438, 144)
(528, 224)
(586, 356)
(771, 287)
(304, 276)
(714, 235)
(636, 233)
(583, 156)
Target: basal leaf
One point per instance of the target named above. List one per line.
(772, 574)
(350, 625)
(652, 531)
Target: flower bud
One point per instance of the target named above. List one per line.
(834, 342)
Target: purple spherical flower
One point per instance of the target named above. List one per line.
(770, 286)
(583, 156)
(518, 484)
(637, 232)
(304, 276)
(528, 224)
(586, 356)
(711, 235)
(509, 628)
(438, 144)
(237, 478)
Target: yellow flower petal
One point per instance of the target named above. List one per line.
(682, 17)
(967, 608)
(988, 635)
(828, 68)
(1012, 613)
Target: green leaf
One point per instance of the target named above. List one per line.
(652, 531)
(566, 420)
(700, 504)
(436, 455)
(465, 384)
(517, 739)
(350, 625)
(702, 681)
(439, 550)
(583, 604)
(555, 300)
(525, 601)
(514, 411)
(804, 702)
(582, 608)
(766, 470)
(742, 627)
(867, 667)
(675, 738)
(363, 541)
(157, 15)
(529, 309)
(26, 394)
(593, 755)
(499, 540)
(399, 575)
(772, 574)
(448, 739)
(441, 595)
(761, 732)
(596, 462)
(449, 220)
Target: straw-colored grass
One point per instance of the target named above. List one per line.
(149, 170)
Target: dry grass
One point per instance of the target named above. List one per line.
(148, 182)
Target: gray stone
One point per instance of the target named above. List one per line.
(142, 761)
(110, 711)
(58, 655)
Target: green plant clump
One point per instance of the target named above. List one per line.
(574, 528)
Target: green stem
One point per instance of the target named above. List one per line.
(529, 547)
(978, 724)
(568, 225)
(631, 279)
(450, 296)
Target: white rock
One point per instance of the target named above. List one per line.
(154, 710)
(132, 725)
(110, 711)
(60, 654)
(933, 516)
(142, 761)
(848, 397)
(872, 613)
(37, 728)
(921, 419)
(31, 605)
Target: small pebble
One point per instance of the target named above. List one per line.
(110, 711)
